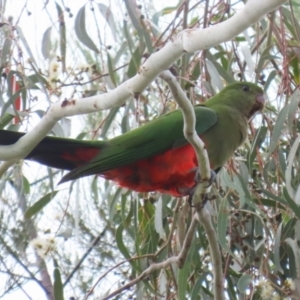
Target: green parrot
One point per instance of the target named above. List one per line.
(156, 156)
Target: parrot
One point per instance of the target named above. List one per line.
(156, 157)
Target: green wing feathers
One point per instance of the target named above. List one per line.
(153, 138)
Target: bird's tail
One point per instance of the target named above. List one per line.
(60, 153)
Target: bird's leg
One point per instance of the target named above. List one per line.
(210, 181)
(191, 191)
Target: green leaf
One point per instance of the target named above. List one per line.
(294, 102)
(58, 286)
(10, 102)
(222, 72)
(40, 204)
(270, 79)
(134, 17)
(26, 186)
(169, 9)
(258, 140)
(291, 23)
(265, 56)
(294, 207)
(183, 275)
(26, 45)
(216, 81)
(81, 32)
(291, 203)
(197, 287)
(289, 168)
(46, 43)
(223, 220)
(244, 283)
(274, 197)
(4, 120)
(296, 251)
(111, 71)
(277, 244)
(108, 120)
(109, 18)
(134, 63)
(119, 240)
(277, 129)
(122, 50)
(62, 36)
(113, 203)
(269, 203)
(6, 52)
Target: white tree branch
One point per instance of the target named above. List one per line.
(190, 40)
(189, 125)
(202, 189)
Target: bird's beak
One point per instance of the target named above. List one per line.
(258, 105)
(260, 100)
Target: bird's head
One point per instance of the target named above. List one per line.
(246, 97)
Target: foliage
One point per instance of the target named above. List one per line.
(106, 236)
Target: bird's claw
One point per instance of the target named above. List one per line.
(210, 181)
(205, 198)
(198, 180)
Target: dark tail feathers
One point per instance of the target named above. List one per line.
(50, 150)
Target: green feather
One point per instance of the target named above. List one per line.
(160, 135)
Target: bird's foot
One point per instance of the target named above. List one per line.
(200, 205)
(210, 181)
(190, 192)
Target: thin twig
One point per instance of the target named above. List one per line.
(114, 267)
(95, 241)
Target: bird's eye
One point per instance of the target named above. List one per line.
(246, 88)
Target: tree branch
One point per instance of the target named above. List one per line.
(202, 188)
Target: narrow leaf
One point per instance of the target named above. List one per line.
(4, 120)
(119, 240)
(277, 244)
(294, 102)
(214, 74)
(46, 43)
(222, 227)
(5, 52)
(40, 204)
(288, 171)
(62, 36)
(134, 63)
(244, 283)
(295, 248)
(134, 17)
(26, 45)
(109, 18)
(277, 129)
(80, 30)
(58, 286)
(108, 120)
(258, 139)
(111, 72)
(183, 275)
(248, 58)
(293, 206)
(222, 72)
